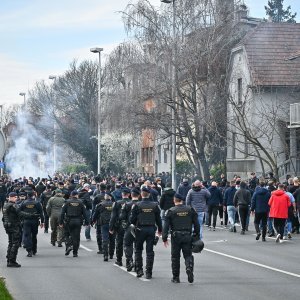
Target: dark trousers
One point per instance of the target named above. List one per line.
(243, 213)
(119, 243)
(261, 219)
(223, 214)
(30, 231)
(181, 241)
(144, 234)
(212, 210)
(46, 219)
(72, 234)
(13, 243)
(128, 245)
(279, 225)
(2, 200)
(99, 236)
(108, 241)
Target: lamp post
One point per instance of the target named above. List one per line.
(24, 95)
(52, 77)
(99, 50)
(173, 139)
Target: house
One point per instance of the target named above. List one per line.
(263, 80)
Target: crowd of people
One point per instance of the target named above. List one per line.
(132, 210)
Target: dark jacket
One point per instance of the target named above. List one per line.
(183, 189)
(166, 200)
(242, 197)
(216, 197)
(229, 195)
(260, 200)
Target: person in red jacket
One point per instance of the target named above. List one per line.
(279, 204)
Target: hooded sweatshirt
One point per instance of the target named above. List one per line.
(260, 200)
(279, 204)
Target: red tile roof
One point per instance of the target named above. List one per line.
(273, 51)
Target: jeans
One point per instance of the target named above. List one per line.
(231, 210)
(200, 219)
(163, 217)
(88, 228)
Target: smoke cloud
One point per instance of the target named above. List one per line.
(30, 153)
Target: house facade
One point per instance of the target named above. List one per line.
(263, 80)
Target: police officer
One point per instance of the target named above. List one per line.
(71, 218)
(98, 198)
(31, 222)
(12, 224)
(181, 219)
(115, 225)
(45, 196)
(102, 215)
(145, 215)
(128, 237)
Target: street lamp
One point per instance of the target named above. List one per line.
(99, 50)
(52, 77)
(24, 95)
(173, 146)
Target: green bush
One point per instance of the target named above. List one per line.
(184, 167)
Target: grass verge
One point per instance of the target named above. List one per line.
(4, 294)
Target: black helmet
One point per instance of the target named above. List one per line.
(197, 245)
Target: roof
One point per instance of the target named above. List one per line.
(273, 52)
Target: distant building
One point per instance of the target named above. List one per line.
(264, 79)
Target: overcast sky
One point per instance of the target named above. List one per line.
(40, 38)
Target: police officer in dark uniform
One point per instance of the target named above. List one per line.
(128, 237)
(145, 215)
(115, 225)
(181, 219)
(71, 218)
(102, 216)
(45, 196)
(31, 222)
(12, 221)
(98, 198)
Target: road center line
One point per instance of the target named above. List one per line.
(253, 263)
(85, 248)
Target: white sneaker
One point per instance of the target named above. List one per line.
(285, 238)
(277, 238)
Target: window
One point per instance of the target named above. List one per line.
(246, 148)
(165, 156)
(159, 153)
(233, 144)
(240, 91)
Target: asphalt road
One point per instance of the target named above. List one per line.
(231, 267)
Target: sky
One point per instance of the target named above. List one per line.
(39, 38)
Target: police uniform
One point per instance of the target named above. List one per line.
(45, 196)
(181, 219)
(98, 198)
(145, 215)
(12, 224)
(34, 212)
(72, 215)
(128, 237)
(102, 216)
(116, 226)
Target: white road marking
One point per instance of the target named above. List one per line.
(219, 241)
(254, 263)
(85, 248)
(131, 273)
